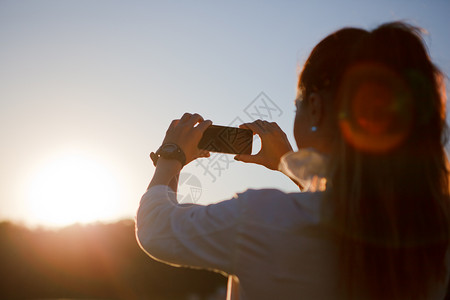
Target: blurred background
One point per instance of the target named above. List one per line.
(87, 90)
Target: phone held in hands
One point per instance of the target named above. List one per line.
(225, 139)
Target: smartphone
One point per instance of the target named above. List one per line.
(227, 140)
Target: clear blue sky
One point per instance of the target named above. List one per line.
(105, 78)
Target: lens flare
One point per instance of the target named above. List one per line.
(375, 108)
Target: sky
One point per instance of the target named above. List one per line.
(88, 89)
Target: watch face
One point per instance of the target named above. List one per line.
(171, 151)
(169, 148)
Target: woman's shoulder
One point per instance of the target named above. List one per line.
(278, 207)
(277, 197)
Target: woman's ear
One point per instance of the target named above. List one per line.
(316, 108)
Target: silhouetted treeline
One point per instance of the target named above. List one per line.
(99, 261)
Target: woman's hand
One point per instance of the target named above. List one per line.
(274, 144)
(187, 135)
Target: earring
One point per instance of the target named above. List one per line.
(313, 128)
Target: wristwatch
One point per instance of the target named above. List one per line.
(169, 151)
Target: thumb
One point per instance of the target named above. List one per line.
(247, 158)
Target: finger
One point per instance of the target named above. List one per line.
(274, 128)
(247, 158)
(194, 119)
(274, 125)
(244, 126)
(204, 153)
(172, 125)
(202, 126)
(185, 117)
(257, 129)
(263, 125)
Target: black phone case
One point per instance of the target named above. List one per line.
(224, 139)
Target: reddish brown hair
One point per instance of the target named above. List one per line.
(390, 201)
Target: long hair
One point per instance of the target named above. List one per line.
(388, 176)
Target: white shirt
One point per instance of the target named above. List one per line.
(273, 242)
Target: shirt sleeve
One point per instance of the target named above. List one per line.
(188, 235)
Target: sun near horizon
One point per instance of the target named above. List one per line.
(72, 188)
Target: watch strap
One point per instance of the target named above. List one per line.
(154, 158)
(178, 154)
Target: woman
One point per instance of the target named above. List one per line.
(370, 115)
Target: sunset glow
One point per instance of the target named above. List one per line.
(72, 189)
